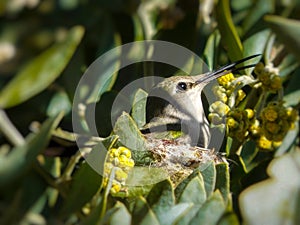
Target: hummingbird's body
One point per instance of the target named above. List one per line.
(174, 106)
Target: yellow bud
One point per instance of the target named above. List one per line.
(255, 128)
(250, 113)
(120, 175)
(215, 119)
(224, 80)
(240, 95)
(107, 168)
(218, 90)
(130, 163)
(114, 152)
(220, 108)
(104, 181)
(125, 151)
(123, 159)
(276, 144)
(223, 97)
(231, 123)
(276, 83)
(291, 114)
(264, 143)
(116, 187)
(116, 161)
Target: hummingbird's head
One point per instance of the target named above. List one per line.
(179, 97)
(176, 98)
(180, 87)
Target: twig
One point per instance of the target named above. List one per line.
(9, 130)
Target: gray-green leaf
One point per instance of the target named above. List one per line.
(276, 200)
(39, 73)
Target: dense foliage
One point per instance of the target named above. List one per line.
(47, 45)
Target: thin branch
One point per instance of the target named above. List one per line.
(9, 130)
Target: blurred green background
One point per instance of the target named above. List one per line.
(47, 45)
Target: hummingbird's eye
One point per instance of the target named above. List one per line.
(182, 86)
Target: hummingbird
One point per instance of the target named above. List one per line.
(174, 108)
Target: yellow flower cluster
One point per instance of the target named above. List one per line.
(266, 144)
(119, 160)
(256, 134)
(226, 80)
(218, 110)
(277, 120)
(269, 129)
(238, 122)
(226, 88)
(268, 76)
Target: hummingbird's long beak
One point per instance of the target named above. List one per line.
(206, 78)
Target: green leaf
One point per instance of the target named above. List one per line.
(39, 73)
(240, 5)
(292, 98)
(59, 103)
(142, 214)
(139, 107)
(222, 182)
(229, 144)
(258, 10)
(139, 34)
(183, 184)
(27, 198)
(229, 36)
(255, 44)
(194, 192)
(229, 219)
(102, 74)
(20, 158)
(210, 51)
(211, 211)
(128, 132)
(145, 175)
(248, 153)
(161, 198)
(149, 12)
(237, 172)
(85, 183)
(292, 91)
(121, 216)
(209, 177)
(175, 213)
(287, 30)
(162, 192)
(278, 196)
(34, 201)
